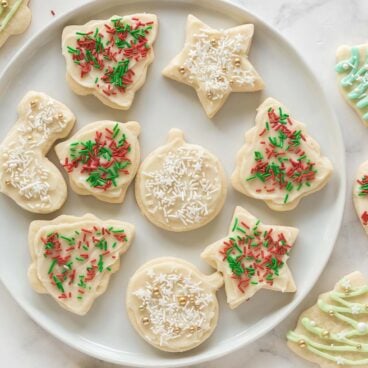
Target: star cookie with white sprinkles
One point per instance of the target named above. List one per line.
(251, 257)
(215, 63)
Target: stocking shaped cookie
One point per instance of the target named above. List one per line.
(109, 58)
(172, 305)
(279, 162)
(73, 258)
(360, 194)
(251, 257)
(334, 332)
(15, 17)
(215, 63)
(102, 159)
(26, 175)
(352, 75)
(180, 186)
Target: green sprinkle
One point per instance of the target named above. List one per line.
(53, 263)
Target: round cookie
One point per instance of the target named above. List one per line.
(180, 186)
(172, 305)
(360, 194)
(102, 159)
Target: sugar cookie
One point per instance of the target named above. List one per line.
(360, 194)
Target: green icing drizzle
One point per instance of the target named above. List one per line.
(9, 13)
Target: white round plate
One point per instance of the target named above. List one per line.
(163, 104)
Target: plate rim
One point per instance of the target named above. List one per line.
(220, 5)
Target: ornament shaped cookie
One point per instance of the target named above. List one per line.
(180, 186)
(215, 63)
(102, 159)
(360, 194)
(252, 257)
(280, 163)
(172, 305)
(26, 175)
(352, 76)
(109, 58)
(73, 258)
(15, 17)
(334, 332)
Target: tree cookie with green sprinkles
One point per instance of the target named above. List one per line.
(280, 163)
(360, 194)
(172, 305)
(334, 332)
(252, 257)
(73, 258)
(102, 159)
(15, 17)
(109, 58)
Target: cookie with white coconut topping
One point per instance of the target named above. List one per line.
(73, 258)
(172, 305)
(215, 63)
(26, 175)
(102, 159)
(180, 186)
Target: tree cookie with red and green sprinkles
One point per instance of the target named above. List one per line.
(109, 58)
(360, 194)
(172, 305)
(73, 258)
(102, 159)
(252, 257)
(280, 163)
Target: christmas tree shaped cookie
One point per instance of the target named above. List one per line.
(102, 159)
(172, 305)
(334, 332)
(352, 75)
(26, 175)
(15, 17)
(215, 63)
(280, 162)
(180, 186)
(109, 58)
(360, 194)
(251, 257)
(73, 258)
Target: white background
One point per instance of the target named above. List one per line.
(316, 28)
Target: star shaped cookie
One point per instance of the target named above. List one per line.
(251, 257)
(215, 63)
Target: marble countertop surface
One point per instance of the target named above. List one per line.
(316, 28)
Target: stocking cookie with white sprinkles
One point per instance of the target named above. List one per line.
(109, 58)
(334, 332)
(73, 258)
(360, 194)
(26, 175)
(180, 186)
(172, 305)
(15, 17)
(215, 63)
(102, 159)
(280, 163)
(251, 257)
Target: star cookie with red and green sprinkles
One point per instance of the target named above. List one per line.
(109, 58)
(252, 256)
(73, 258)
(215, 63)
(280, 163)
(102, 159)
(360, 194)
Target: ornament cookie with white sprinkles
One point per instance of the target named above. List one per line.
(215, 63)
(252, 257)
(280, 163)
(73, 258)
(360, 194)
(172, 305)
(352, 76)
(15, 17)
(26, 175)
(334, 332)
(109, 58)
(180, 186)
(102, 159)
